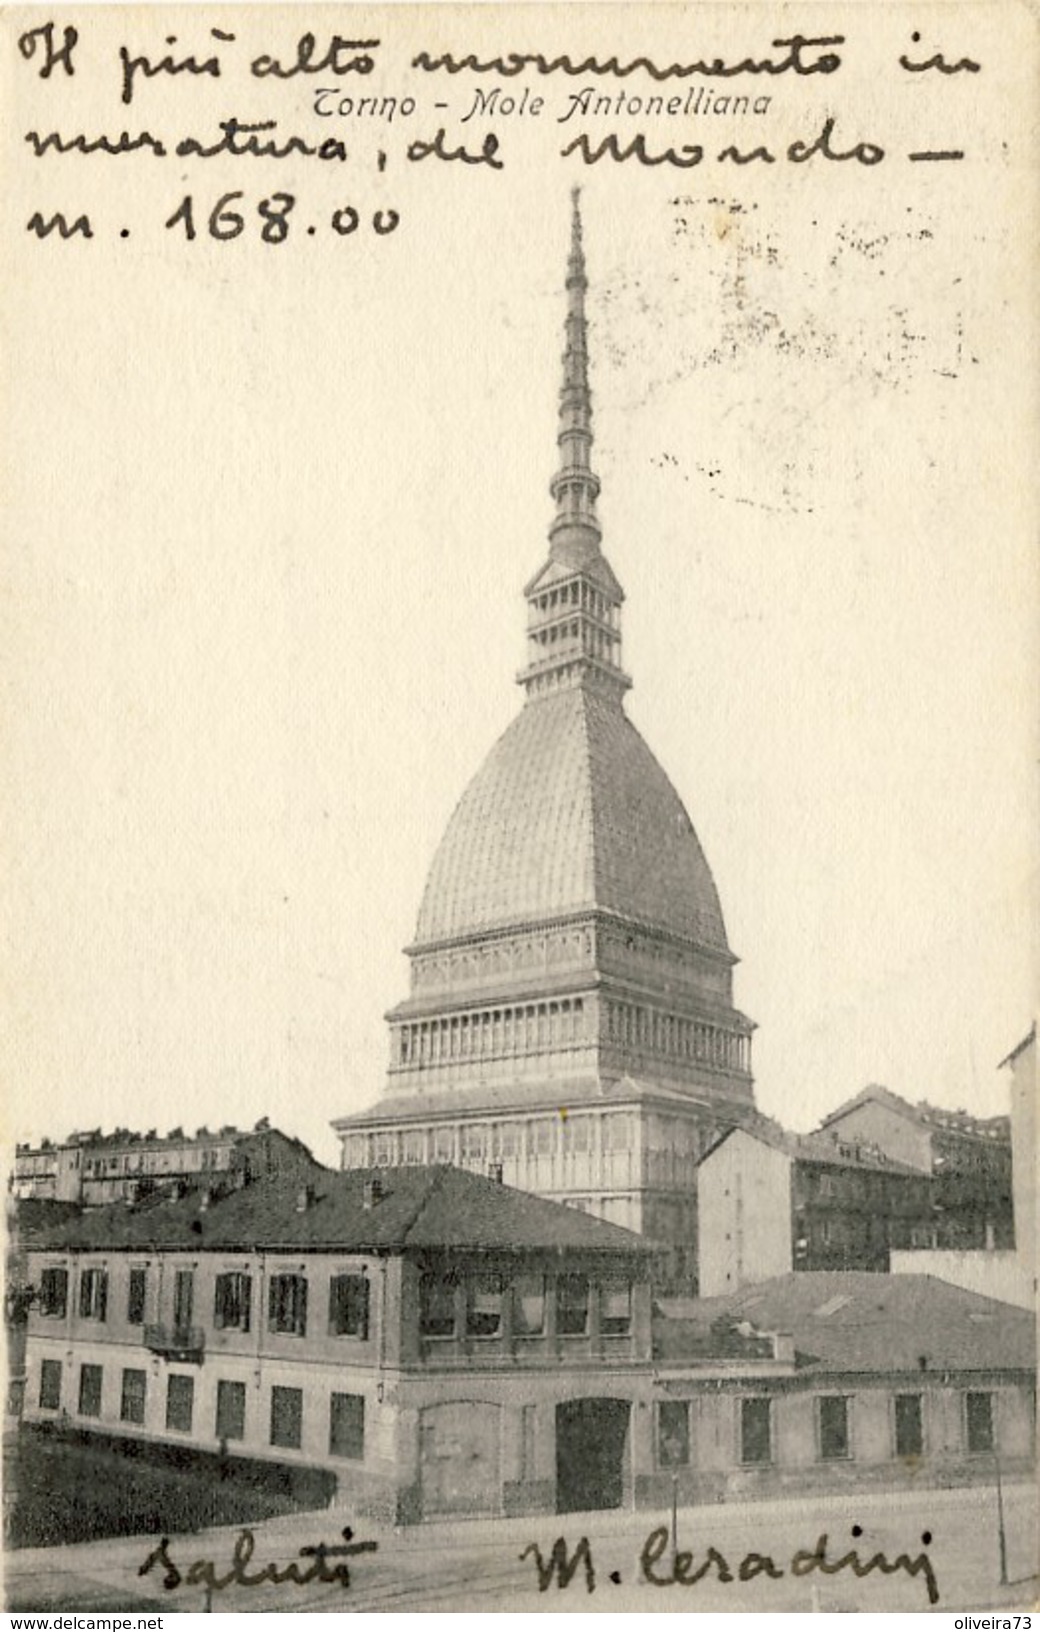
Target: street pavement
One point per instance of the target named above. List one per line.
(477, 1564)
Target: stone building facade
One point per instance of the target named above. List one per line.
(439, 1343)
(96, 1168)
(771, 1201)
(968, 1159)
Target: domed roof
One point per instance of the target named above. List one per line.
(570, 811)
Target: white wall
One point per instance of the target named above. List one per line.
(997, 1275)
(743, 1215)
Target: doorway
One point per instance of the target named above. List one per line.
(591, 1437)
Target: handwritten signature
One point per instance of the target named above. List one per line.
(203, 1572)
(680, 1570)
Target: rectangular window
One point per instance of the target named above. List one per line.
(909, 1426)
(833, 1417)
(541, 1137)
(90, 1391)
(347, 1426)
(474, 1144)
(572, 1305)
(348, 1306)
(183, 1299)
(54, 1292)
(136, 1293)
(577, 1134)
(287, 1305)
(93, 1294)
(50, 1385)
(287, 1417)
(180, 1402)
(484, 1306)
(617, 1133)
(437, 1306)
(756, 1430)
(673, 1434)
(131, 1402)
(413, 1148)
(508, 1143)
(979, 1423)
(232, 1301)
(616, 1309)
(444, 1144)
(231, 1410)
(529, 1305)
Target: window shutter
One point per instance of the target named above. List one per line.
(301, 1306)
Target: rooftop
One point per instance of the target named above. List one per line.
(488, 1101)
(417, 1208)
(924, 1114)
(817, 1149)
(120, 1138)
(859, 1322)
(1028, 1041)
(571, 811)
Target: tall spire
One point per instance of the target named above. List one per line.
(574, 602)
(575, 532)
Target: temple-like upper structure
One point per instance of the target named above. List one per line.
(570, 949)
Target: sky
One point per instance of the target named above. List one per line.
(271, 513)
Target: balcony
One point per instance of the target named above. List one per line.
(184, 1343)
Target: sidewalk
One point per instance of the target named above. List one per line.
(460, 1563)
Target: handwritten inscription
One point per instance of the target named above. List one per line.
(796, 58)
(343, 66)
(662, 1567)
(204, 1572)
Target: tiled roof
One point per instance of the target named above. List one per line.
(36, 1218)
(924, 1114)
(569, 811)
(855, 1321)
(420, 1207)
(817, 1149)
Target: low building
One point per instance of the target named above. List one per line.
(968, 1158)
(444, 1343)
(96, 1168)
(889, 1381)
(769, 1201)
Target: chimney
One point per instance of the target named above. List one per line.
(305, 1198)
(372, 1192)
(495, 1171)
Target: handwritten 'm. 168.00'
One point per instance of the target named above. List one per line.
(224, 223)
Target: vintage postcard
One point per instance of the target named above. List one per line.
(520, 672)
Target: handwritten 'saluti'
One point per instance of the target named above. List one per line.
(203, 1572)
